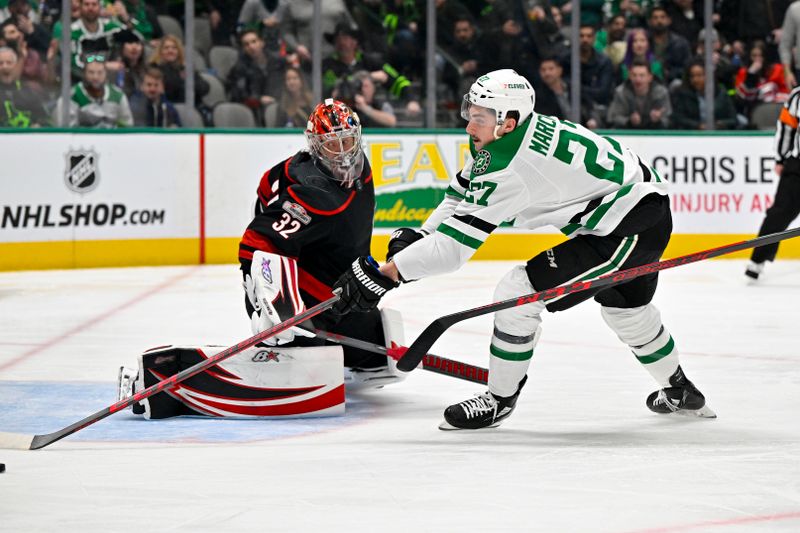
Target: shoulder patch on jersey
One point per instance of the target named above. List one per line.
(297, 212)
(482, 161)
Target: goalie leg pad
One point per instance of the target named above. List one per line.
(651, 343)
(516, 332)
(394, 334)
(388, 374)
(257, 383)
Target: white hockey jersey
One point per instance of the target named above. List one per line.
(545, 172)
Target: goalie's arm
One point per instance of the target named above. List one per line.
(268, 254)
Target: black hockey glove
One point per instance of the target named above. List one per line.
(401, 238)
(362, 287)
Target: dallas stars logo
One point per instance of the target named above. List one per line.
(482, 161)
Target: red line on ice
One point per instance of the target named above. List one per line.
(722, 523)
(88, 323)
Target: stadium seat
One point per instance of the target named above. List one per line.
(170, 26)
(271, 116)
(765, 115)
(222, 59)
(190, 117)
(202, 35)
(216, 91)
(233, 115)
(200, 64)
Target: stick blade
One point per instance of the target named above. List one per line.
(419, 348)
(15, 441)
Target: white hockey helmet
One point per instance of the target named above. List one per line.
(501, 91)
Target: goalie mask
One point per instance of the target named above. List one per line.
(334, 139)
(501, 91)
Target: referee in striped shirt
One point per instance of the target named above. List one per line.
(786, 206)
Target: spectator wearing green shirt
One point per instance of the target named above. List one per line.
(591, 11)
(89, 34)
(94, 103)
(612, 41)
(136, 16)
(634, 11)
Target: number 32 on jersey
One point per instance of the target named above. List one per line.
(286, 225)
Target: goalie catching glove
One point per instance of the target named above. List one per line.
(273, 295)
(361, 287)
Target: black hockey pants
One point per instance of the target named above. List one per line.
(783, 211)
(640, 238)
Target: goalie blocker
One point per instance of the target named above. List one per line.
(263, 382)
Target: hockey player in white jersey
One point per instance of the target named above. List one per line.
(536, 170)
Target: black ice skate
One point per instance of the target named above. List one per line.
(681, 398)
(484, 411)
(754, 270)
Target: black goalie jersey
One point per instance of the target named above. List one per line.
(305, 215)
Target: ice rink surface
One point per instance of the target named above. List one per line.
(581, 452)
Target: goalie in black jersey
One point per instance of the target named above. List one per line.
(313, 217)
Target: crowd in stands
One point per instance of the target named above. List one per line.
(641, 61)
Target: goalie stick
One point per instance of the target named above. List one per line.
(416, 352)
(430, 362)
(20, 441)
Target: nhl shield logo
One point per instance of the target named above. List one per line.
(81, 174)
(482, 161)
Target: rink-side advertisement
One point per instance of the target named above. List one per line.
(139, 194)
(95, 200)
(721, 185)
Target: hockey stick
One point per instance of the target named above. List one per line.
(430, 362)
(416, 352)
(20, 441)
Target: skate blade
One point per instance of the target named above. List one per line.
(446, 426)
(370, 384)
(703, 412)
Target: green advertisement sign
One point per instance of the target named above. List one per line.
(409, 208)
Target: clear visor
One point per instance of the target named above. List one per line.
(478, 115)
(340, 152)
